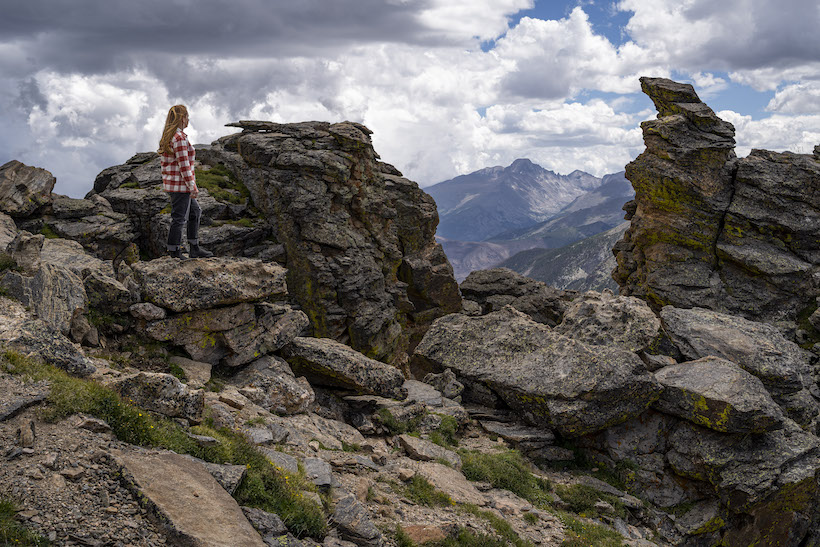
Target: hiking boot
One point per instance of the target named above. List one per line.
(198, 252)
(176, 254)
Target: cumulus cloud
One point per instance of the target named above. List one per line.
(802, 98)
(780, 133)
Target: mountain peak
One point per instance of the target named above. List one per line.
(523, 165)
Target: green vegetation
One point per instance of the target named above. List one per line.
(506, 470)
(264, 486)
(582, 498)
(11, 531)
(351, 447)
(177, 372)
(221, 184)
(531, 518)
(584, 534)
(501, 527)
(422, 492)
(49, 232)
(7, 262)
(395, 427)
(446, 434)
(130, 184)
(100, 319)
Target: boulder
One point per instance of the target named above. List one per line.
(24, 189)
(37, 338)
(203, 283)
(26, 249)
(452, 482)
(328, 362)
(354, 524)
(161, 393)
(106, 294)
(552, 380)
(758, 348)
(54, 293)
(718, 394)
(197, 373)
(770, 479)
(498, 287)
(270, 383)
(275, 326)
(606, 320)
(202, 332)
(72, 256)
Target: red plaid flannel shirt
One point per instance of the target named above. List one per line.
(178, 169)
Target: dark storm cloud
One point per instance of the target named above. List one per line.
(99, 36)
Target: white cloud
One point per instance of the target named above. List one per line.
(802, 98)
(778, 133)
(466, 20)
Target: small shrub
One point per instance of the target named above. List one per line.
(351, 447)
(130, 184)
(468, 538)
(11, 531)
(422, 492)
(395, 427)
(177, 372)
(401, 538)
(585, 534)
(7, 262)
(531, 518)
(506, 470)
(501, 527)
(100, 319)
(581, 499)
(446, 434)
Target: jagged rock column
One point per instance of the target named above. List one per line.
(683, 186)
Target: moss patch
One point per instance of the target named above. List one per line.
(222, 185)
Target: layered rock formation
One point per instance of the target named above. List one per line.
(355, 236)
(711, 230)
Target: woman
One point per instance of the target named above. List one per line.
(179, 181)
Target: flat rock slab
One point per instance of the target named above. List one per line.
(552, 380)
(718, 394)
(451, 482)
(197, 510)
(202, 283)
(518, 433)
(419, 449)
(326, 361)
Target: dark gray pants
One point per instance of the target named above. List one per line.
(183, 208)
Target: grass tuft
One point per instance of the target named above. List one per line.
(49, 232)
(7, 262)
(11, 531)
(506, 470)
(582, 498)
(584, 534)
(422, 492)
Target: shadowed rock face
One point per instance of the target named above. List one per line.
(713, 231)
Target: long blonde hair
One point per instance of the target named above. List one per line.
(172, 123)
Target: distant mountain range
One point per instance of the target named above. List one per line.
(582, 266)
(485, 203)
(482, 202)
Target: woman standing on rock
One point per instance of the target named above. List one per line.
(179, 181)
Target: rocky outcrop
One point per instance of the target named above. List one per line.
(162, 393)
(713, 231)
(551, 379)
(24, 189)
(361, 258)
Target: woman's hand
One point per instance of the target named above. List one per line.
(195, 193)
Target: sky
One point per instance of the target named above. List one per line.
(447, 86)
